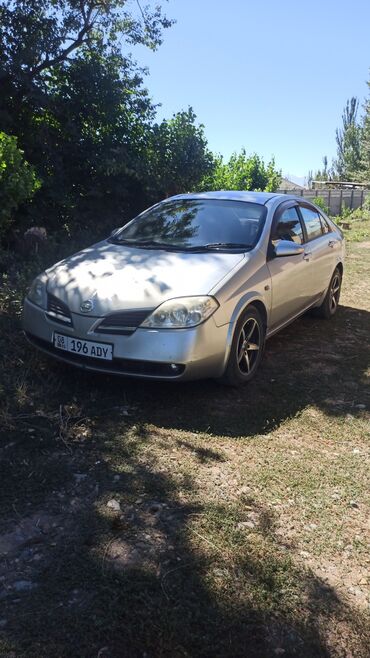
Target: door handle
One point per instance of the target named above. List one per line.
(307, 255)
(332, 243)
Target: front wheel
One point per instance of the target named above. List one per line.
(246, 349)
(331, 301)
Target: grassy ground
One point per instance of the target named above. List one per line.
(242, 527)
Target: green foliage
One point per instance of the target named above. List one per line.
(365, 141)
(348, 138)
(354, 142)
(346, 212)
(77, 104)
(38, 36)
(18, 181)
(83, 118)
(326, 173)
(320, 201)
(178, 155)
(357, 226)
(366, 205)
(353, 146)
(243, 172)
(93, 139)
(361, 215)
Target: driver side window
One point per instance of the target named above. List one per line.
(288, 227)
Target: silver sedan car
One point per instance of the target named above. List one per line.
(190, 288)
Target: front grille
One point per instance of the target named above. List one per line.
(123, 322)
(117, 366)
(58, 311)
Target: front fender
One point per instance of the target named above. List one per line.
(243, 303)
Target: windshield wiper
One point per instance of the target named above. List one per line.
(225, 245)
(146, 244)
(154, 244)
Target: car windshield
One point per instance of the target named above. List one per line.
(192, 224)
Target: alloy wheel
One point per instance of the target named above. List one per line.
(249, 345)
(334, 293)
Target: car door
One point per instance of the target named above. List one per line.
(321, 245)
(291, 276)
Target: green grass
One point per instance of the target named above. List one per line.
(243, 520)
(359, 226)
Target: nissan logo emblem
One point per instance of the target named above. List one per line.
(87, 306)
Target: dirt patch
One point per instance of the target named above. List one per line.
(363, 245)
(24, 549)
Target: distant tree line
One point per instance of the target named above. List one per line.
(352, 162)
(73, 102)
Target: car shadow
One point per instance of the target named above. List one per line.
(311, 362)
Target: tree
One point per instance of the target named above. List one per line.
(178, 155)
(348, 162)
(93, 139)
(39, 38)
(309, 178)
(18, 181)
(243, 172)
(365, 141)
(39, 35)
(76, 102)
(327, 173)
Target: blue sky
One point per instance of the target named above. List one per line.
(270, 76)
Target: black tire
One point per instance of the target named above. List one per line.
(330, 304)
(243, 361)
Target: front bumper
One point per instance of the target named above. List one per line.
(198, 352)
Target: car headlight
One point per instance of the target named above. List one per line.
(37, 291)
(181, 313)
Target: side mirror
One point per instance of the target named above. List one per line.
(288, 248)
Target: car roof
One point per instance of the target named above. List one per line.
(235, 195)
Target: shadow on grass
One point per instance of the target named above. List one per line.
(160, 577)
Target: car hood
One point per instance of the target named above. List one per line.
(116, 277)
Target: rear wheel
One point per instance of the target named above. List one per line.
(246, 349)
(331, 301)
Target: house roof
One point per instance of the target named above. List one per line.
(287, 184)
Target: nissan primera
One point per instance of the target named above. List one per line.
(190, 288)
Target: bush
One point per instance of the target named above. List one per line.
(242, 172)
(360, 213)
(319, 201)
(18, 181)
(366, 204)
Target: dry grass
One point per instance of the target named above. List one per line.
(243, 523)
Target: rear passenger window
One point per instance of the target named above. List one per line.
(325, 225)
(288, 227)
(312, 222)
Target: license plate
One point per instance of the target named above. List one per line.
(83, 347)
